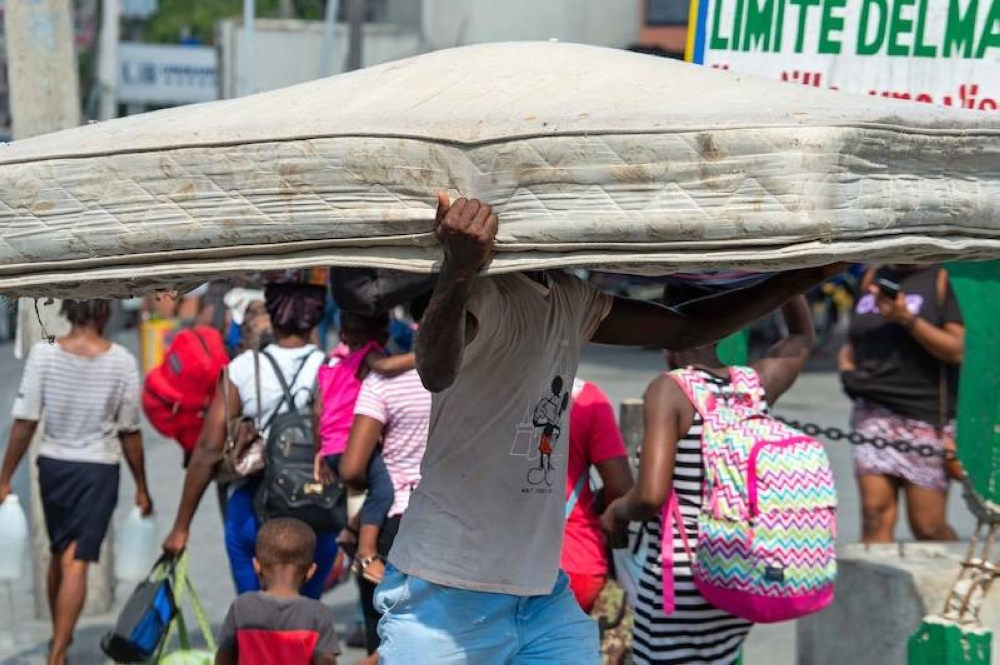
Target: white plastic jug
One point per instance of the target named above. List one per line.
(13, 538)
(138, 546)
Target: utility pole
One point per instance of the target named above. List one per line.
(44, 87)
(248, 50)
(107, 64)
(355, 37)
(326, 48)
(630, 422)
(45, 97)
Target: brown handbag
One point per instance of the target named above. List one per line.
(243, 452)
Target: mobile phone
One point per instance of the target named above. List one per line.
(887, 288)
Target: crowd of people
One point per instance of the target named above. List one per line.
(495, 480)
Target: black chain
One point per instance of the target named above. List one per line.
(858, 439)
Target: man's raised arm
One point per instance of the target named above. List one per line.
(466, 230)
(706, 320)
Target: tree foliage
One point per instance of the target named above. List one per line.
(200, 16)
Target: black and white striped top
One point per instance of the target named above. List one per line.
(88, 401)
(697, 632)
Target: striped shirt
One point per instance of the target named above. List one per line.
(403, 406)
(88, 401)
(696, 632)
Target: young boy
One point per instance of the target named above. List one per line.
(277, 625)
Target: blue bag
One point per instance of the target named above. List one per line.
(146, 617)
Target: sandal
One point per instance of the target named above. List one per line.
(360, 568)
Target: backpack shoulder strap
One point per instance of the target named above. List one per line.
(201, 340)
(698, 391)
(670, 519)
(281, 377)
(575, 496)
(315, 382)
(287, 396)
(746, 381)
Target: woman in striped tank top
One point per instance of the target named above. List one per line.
(696, 632)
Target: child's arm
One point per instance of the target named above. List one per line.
(361, 443)
(226, 654)
(668, 415)
(391, 365)
(326, 649)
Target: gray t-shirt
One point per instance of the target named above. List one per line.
(488, 513)
(88, 401)
(261, 628)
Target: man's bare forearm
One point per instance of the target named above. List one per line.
(797, 317)
(135, 458)
(199, 474)
(442, 334)
(21, 433)
(730, 312)
(703, 321)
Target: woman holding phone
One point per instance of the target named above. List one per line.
(900, 366)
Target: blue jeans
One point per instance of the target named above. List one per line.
(424, 622)
(241, 539)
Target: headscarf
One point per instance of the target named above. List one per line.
(295, 307)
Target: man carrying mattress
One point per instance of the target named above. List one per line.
(473, 576)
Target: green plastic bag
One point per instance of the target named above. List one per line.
(185, 655)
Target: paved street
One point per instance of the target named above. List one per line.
(621, 373)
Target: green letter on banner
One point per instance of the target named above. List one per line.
(759, 25)
(718, 42)
(991, 31)
(960, 31)
(830, 23)
(899, 25)
(800, 35)
(920, 48)
(873, 47)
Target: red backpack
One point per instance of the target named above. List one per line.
(178, 392)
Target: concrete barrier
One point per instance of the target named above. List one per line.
(883, 593)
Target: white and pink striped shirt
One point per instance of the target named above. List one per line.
(403, 406)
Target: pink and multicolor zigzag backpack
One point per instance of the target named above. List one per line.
(766, 531)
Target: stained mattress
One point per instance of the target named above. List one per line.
(593, 157)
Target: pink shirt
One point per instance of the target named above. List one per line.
(339, 385)
(593, 438)
(403, 406)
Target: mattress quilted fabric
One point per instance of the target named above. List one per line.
(592, 157)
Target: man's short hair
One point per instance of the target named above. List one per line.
(286, 542)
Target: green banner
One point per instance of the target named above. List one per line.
(978, 288)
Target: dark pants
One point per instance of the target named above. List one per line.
(380, 491)
(367, 590)
(241, 526)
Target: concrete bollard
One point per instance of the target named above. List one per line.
(883, 594)
(630, 421)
